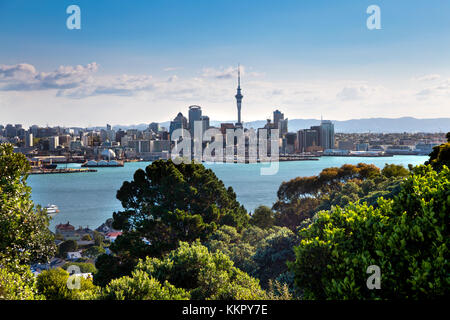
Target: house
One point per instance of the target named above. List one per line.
(111, 236)
(73, 255)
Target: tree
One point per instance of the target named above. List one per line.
(165, 204)
(86, 237)
(84, 267)
(67, 246)
(440, 156)
(263, 217)
(24, 233)
(204, 274)
(93, 252)
(140, 286)
(272, 256)
(52, 284)
(407, 237)
(299, 199)
(17, 285)
(394, 170)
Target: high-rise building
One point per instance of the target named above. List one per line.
(280, 123)
(179, 122)
(327, 134)
(154, 126)
(308, 138)
(28, 139)
(195, 114)
(239, 97)
(53, 143)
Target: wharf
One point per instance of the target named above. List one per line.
(63, 170)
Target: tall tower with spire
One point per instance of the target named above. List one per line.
(239, 97)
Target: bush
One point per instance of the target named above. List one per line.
(407, 237)
(204, 274)
(263, 217)
(67, 246)
(84, 267)
(53, 285)
(140, 286)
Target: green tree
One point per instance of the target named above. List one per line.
(85, 267)
(164, 204)
(204, 274)
(440, 156)
(24, 233)
(93, 252)
(263, 217)
(52, 284)
(300, 198)
(67, 246)
(18, 285)
(140, 286)
(407, 237)
(272, 256)
(394, 170)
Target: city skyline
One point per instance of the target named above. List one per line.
(305, 59)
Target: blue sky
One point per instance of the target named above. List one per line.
(305, 57)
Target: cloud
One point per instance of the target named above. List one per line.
(222, 73)
(355, 92)
(24, 77)
(428, 77)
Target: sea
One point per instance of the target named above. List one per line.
(88, 199)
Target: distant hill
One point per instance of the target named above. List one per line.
(376, 125)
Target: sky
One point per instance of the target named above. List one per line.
(137, 61)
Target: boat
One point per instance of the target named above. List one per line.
(52, 210)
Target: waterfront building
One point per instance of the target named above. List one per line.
(346, 145)
(308, 138)
(362, 147)
(53, 143)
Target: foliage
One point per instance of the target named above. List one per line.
(394, 170)
(98, 239)
(302, 197)
(84, 267)
(273, 253)
(299, 198)
(24, 233)
(86, 237)
(407, 237)
(440, 155)
(67, 246)
(263, 217)
(140, 286)
(93, 252)
(204, 274)
(17, 285)
(165, 204)
(260, 253)
(52, 284)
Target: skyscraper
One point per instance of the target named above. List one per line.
(327, 134)
(195, 114)
(239, 97)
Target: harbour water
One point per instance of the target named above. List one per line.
(88, 199)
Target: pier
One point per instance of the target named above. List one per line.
(62, 170)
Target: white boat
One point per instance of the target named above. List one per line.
(52, 210)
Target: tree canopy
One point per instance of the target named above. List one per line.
(407, 237)
(164, 204)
